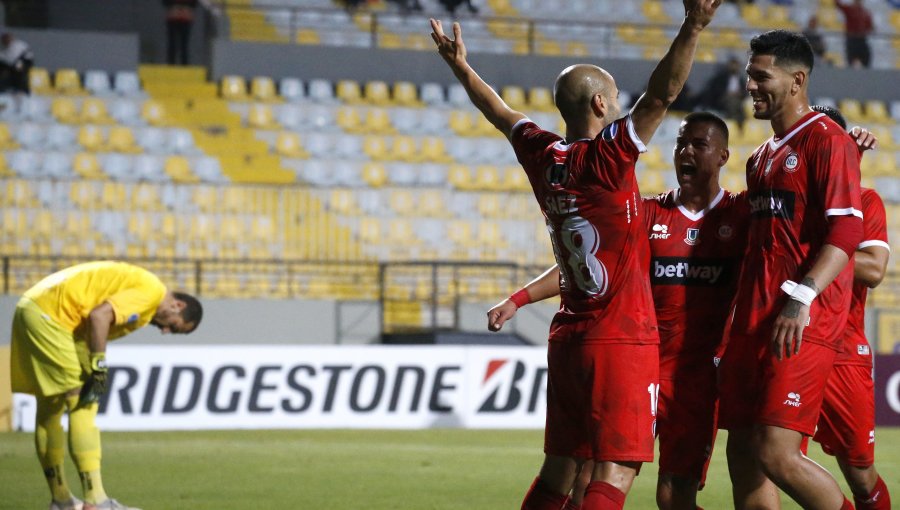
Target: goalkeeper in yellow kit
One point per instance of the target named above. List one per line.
(59, 334)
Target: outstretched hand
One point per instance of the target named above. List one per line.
(864, 138)
(500, 313)
(701, 12)
(452, 50)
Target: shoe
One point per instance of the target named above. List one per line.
(109, 504)
(72, 503)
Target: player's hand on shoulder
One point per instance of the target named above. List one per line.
(500, 313)
(865, 139)
(701, 12)
(452, 50)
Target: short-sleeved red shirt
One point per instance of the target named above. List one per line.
(589, 196)
(794, 183)
(694, 265)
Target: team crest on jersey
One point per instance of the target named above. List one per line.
(557, 175)
(791, 162)
(610, 132)
(725, 232)
(693, 236)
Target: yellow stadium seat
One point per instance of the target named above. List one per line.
(154, 113)
(234, 88)
(179, 169)
(67, 82)
(93, 110)
(515, 179)
(651, 182)
(852, 110)
(460, 177)
(64, 110)
(876, 111)
(405, 94)
(349, 119)
(403, 148)
(6, 139)
(260, 116)
(288, 144)
(377, 93)
(432, 150)
(541, 99)
(402, 202)
(349, 91)
(91, 138)
(39, 81)
(262, 88)
(374, 174)
(487, 177)
(378, 121)
(514, 97)
(121, 139)
(87, 166)
(551, 48)
(462, 123)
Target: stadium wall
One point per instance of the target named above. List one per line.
(81, 50)
(305, 322)
(336, 63)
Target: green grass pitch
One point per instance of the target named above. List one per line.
(307, 469)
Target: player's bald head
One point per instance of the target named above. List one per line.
(576, 85)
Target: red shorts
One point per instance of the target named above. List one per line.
(601, 401)
(756, 388)
(847, 422)
(687, 420)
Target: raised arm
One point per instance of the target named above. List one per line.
(495, 110)
(672, 71)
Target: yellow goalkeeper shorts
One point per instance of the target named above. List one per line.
(45, 358)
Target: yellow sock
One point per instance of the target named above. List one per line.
(49, 441)
(84, 444)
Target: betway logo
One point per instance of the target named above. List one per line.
(774, 203)
(687, 271)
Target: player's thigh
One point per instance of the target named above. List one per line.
(687, 423)
(846, 426)
(794, 388)
(740, 380)
(45, 360)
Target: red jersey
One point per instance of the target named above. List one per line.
(589, 196)
(856, 350)
(794, 183)
(694, 265)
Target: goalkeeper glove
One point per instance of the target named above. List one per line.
(95, 386)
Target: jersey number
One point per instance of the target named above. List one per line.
(575, 245)
(653, 389)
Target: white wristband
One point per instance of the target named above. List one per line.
(799, 292)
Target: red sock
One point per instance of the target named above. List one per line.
(570, 505)
(541, 497)
(603, 496)
(847, 505)
(878, 499)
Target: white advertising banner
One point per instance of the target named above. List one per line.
(237, 387)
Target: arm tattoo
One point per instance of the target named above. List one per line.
(791, 309)
(809, 282)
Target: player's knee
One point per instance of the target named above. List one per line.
(861, 480)
(775, 460)
(676, 492)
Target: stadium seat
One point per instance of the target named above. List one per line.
(405, 94)
(541, 99)
(432, 150)
(91, 138)
(876, 111)
(350, 119)
(378, 121)
(321, 91)
(291, 89)
(97, 82)
(514, 96)
(403, 148)
(93, 111)
(65, 110)
(153, 113)
(87, 166)
(349, 92)
(290, 116)
(433, 94)
(29, 135)
(178, 168)
(39, 81)
(56, 165)
(127, 83)
(125, 111)
(288, 144)
(36, 108)
(152, 139)
(376, 93)
(262, 88)
(233, 88)
(181, 141)
(374, 174)
(6, 139)
(67, 82)
(260, 116)
(376, 148)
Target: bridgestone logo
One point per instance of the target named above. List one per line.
(687, 271)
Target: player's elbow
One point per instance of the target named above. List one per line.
(871, 277)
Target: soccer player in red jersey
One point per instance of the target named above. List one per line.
(805, 224)
(602, 357)
(697, 235)
(846, 427)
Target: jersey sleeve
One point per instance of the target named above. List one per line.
(836, 167)
(648, 207)
(530, 141)
(617, 148)
(874, 221)
(139, 302)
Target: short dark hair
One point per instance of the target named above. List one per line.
(833, 113)
(711, 118)
(788, 48)
(193, 310)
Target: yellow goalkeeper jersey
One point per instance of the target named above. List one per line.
(68, 296)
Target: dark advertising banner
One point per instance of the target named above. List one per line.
(887, 390)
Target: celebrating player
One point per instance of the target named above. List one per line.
(795, 285)
(59, 335)
(697, 235)
(846, 426)
(602, 359)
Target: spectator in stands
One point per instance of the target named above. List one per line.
(725, 91)
(179, 19)
(857, 25)
(814, 36)
(452, 5)
(16, 59)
